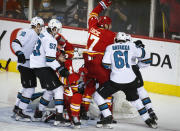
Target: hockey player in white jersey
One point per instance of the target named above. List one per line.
(118, 57)
(136, 65)
(43, 62)
(23, 46)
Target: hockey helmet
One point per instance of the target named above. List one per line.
(128, 37)
(103, 20)
(37, 20)
(121, 36)
(55, 24)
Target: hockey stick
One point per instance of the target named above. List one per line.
(7, 63)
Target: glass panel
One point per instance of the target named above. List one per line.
(14, 9)
(167, 23)
(130, 16)
(69, 12)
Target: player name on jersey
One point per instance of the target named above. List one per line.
(95, 32)
(122, 47)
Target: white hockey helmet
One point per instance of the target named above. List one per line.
(54, 23)
(128, 37)
(121, 36)
(37, 20)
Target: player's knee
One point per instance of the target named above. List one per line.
(48, 95)
(142, 92)
(58, 92)
(28, 92)
(105, 90)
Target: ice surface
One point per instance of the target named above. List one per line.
(167, 109)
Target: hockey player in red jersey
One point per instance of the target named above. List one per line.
(74, 88)
(64, 45)
(99, 37)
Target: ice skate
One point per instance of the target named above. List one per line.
(49, 115)
(105, 122)
(151, 123)
(60, 121)
(15, 110)
(38, 115)
(20, 116)
(152, 114)
(76, 122)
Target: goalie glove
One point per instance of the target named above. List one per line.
(21, 57)
(63, 71)
(139, 44)
(81, 85)
(105, 3)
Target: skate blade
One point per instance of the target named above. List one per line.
(18, 118)
(60, 124)
(36, 119)
(99, 125)
(105, 126)
(154, 126)
(77, 127)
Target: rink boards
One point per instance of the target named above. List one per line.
(163, 76)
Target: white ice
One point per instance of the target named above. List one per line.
(167, 109)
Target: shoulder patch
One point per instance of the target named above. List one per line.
(23, 33)
(41, 35)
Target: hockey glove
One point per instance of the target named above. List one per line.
(139, 44)
(21, 57)
(63, 71)
(81, 85)
(105, 3)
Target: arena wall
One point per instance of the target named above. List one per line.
(163, 76)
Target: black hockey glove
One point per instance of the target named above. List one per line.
(81, 85)
(63, 71)
(139, 44)
(21, 57)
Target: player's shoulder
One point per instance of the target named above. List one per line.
(24, 34)
(27, 32)
(131, 44)
(47, 38)
(108, 34)
(110, 47)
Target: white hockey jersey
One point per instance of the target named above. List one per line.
(27, 39)
(141, 62)
(44, 53)
(120, 56)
